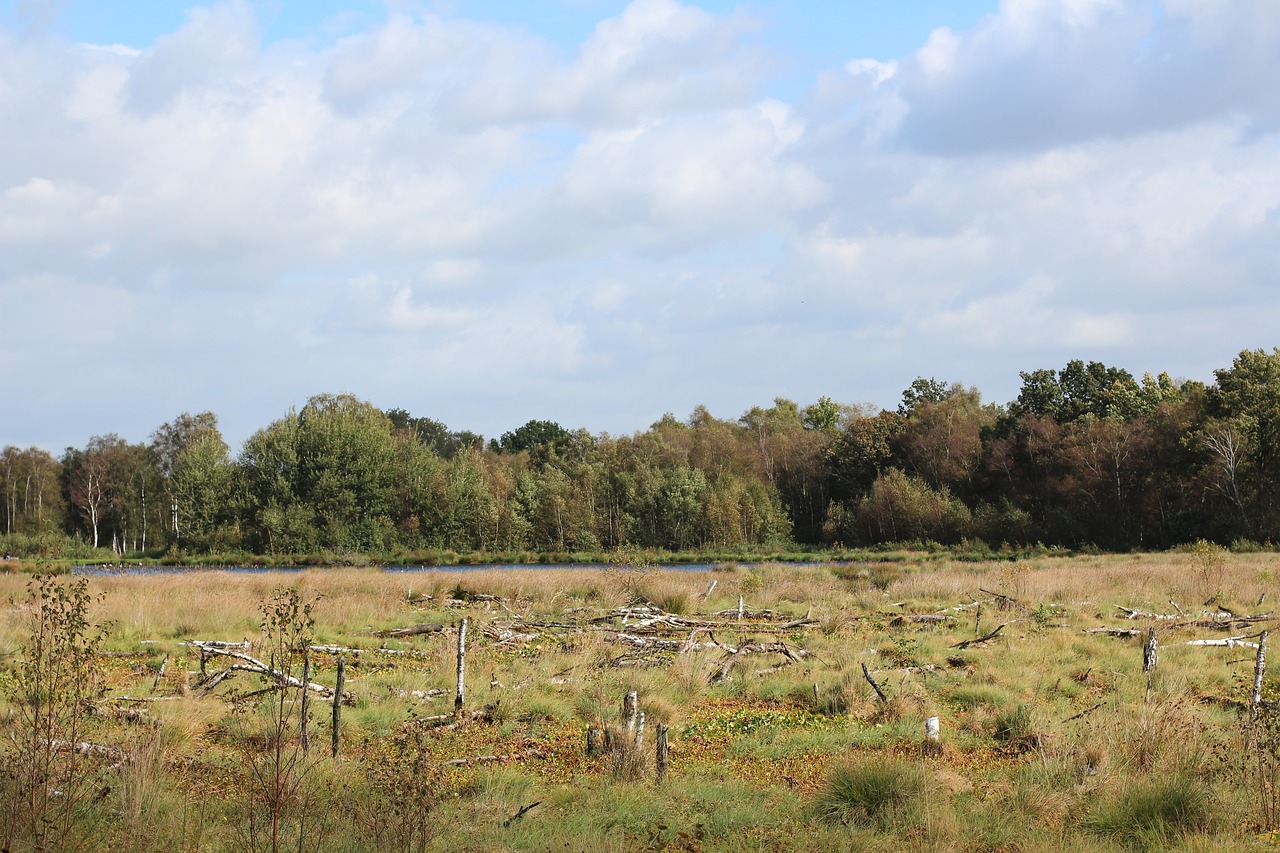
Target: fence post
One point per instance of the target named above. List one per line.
(462, 668)
(337, 707)
(303, 734)
(1259, 668)
(662, 750)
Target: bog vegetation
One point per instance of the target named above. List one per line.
(1086, 457)
(1086, 703)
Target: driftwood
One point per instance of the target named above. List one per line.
(1228, 642)
(252, 664)
(97, 750)
(486, 759)
(433, 693)
(448, 722)
(866, 673)
(1083, 713)
(735, 655)
(524, 811)
(964, 644)
(160, 673)
(1222, 618)
(413, 630)
(1114, 632)
(1004, 602)
(1131, 613)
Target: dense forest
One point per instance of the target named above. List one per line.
(1086, 456)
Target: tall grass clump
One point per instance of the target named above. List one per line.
(1153, 812)
(883, 793)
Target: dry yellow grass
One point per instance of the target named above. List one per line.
(551, 686)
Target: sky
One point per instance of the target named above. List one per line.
(597, 212)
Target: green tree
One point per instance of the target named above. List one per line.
(94, 480)
(862, 452)
(346, 469)
(542, 437)
(922, 391)
(29, 483)
(201, 483)
(168, 443)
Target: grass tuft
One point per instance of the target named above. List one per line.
(881, 793)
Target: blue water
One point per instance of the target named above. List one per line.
(98, 570)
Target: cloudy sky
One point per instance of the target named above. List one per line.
(595, 211)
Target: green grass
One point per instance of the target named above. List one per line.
(759, 762)
(881, 793)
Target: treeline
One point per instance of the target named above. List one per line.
(1086, 456)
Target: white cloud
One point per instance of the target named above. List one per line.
(459, 218)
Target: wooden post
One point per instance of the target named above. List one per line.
(337, 707)
(1150, 656)
(303, 734)
(740, 608)
(1259, 668)
(595, 738)
(640, 731)
(462, 669)
(977, 622)
(159, 675)
(630, 708)
(662, 749)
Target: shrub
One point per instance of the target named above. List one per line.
(880, 792)
(51, 691)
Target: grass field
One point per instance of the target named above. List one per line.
(1052, 735)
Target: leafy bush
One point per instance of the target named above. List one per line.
(46, 791)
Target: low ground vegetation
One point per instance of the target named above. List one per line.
(793, 700)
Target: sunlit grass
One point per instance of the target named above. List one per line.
(1039, 725)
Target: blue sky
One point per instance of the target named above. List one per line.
(598, 211)
(816, 32)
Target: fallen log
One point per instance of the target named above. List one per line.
(964, 644)
(413, 630)
(81, 747)
(1131, 613)
(735, 655)
(252, 664)
(1229, 642)
(486, 759)
(1083, 713)
(434, 693)
(1114, 632)
(524, 811)
(446, 722)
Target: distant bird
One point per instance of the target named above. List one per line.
(1261, 599)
